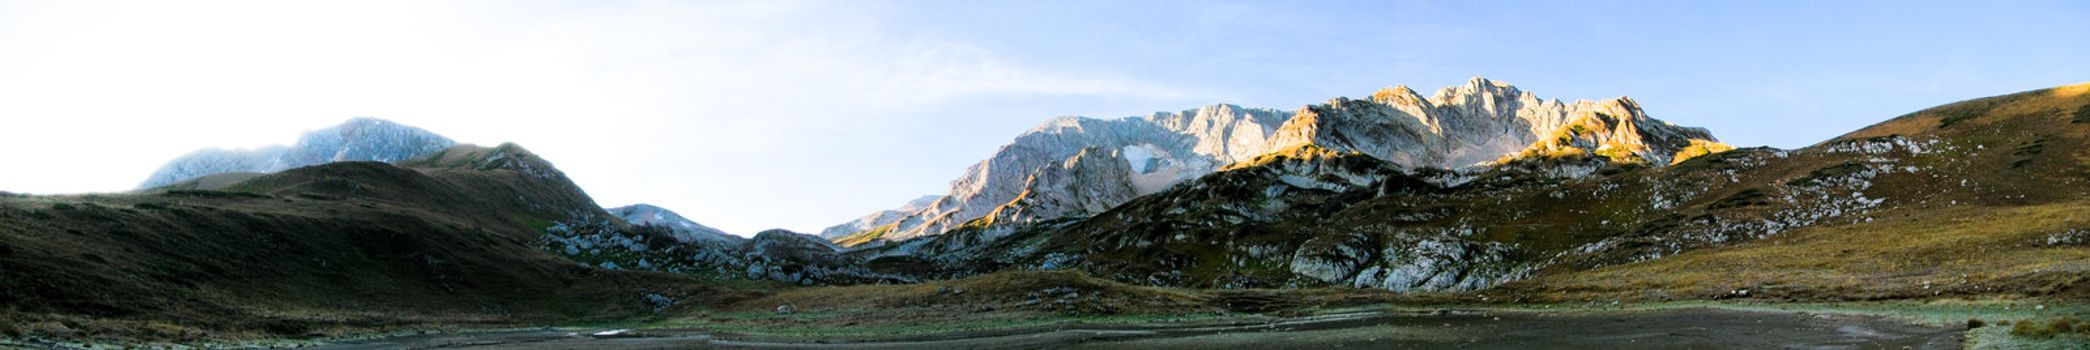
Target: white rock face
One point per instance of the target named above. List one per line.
(685, 230)
(359, 139)
(1478, 123)
(880, 218)
(1170, 147)
(1090, 182)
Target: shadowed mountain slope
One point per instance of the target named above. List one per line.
(346, 246)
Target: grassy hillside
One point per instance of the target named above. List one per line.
(341, 247)
(1997, 203)
(2035, 250)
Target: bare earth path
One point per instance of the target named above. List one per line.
(1663, 329)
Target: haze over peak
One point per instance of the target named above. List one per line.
(359, 138)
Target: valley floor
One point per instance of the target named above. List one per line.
(1637, 328)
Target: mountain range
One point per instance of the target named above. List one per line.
(1075, 167)
(1478, 190)
(1059, 179)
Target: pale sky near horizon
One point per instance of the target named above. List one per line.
(748, 115)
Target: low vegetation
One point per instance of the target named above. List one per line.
(1955, 251)
(1699, 148)
(2062, 326)
(867, 236)
(338, 249)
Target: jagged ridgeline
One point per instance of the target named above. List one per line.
(1077, 167)
(1593, 210)
(1067, 170)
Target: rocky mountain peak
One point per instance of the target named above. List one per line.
(1476, 90)
(1619, 131)
(358, 139)
(1481, 122)
(1397, 95)
(1090, 182)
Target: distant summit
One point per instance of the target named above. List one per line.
(685, 230)
(880, 218)
(359, 139)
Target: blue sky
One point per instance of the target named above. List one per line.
(753, 115)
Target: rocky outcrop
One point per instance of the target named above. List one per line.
(783, 244)
(774, 255)
(1406, 261)
(782, 255)
(359, 139)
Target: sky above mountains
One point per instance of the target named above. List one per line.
(753, 115)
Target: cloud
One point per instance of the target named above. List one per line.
(930, 73)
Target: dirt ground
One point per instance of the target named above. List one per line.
(1662, 329)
